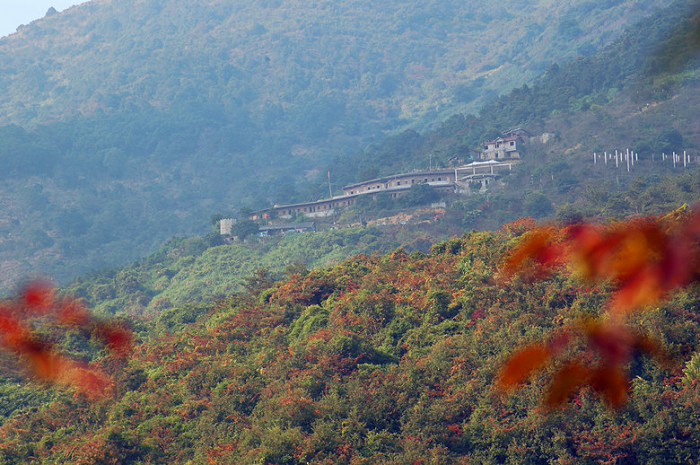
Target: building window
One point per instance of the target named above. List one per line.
(398, 183)
(512, 143)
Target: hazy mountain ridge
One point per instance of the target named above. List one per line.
(406, 60)
(156, 135)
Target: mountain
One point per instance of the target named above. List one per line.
(639, 93)
(355, 60)
(638, 84)
(126, 122)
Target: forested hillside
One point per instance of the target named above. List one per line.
(196, 271)
(127, 122)
(290, 62)
(636, 92)
(639, 93)
(376, 360)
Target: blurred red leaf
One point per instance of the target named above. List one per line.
(39, 296)
(39, 357)
(535, 256)
(644, 259)
(613, 342)
(567, 380)
(612, 383)
(643, 289)
(588, 251)
(523, 364)
(118, 339)
(44, 363)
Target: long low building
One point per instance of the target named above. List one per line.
(435, 178)
(448, 179)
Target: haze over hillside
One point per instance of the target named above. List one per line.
(128, 122)
(390, 61)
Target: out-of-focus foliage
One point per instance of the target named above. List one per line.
(387, 359)
(39, 356)
(643, 260)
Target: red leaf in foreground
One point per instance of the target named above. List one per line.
(641, 290)
(612, 383)
(39, 296)
(44, 363)
(536, 256)
(565, 383)
(612, 342)
(644, 260)
(118, 339)
(522, 365)
(39, 357)
(13, 332)
(588, 250)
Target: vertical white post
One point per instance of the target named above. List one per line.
(684, 160)
(605, 157)
(594, 159)
(628, 160)
(674, 159)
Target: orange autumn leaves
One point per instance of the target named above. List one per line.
(644, 260)
(607, 350)
(38, 304)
